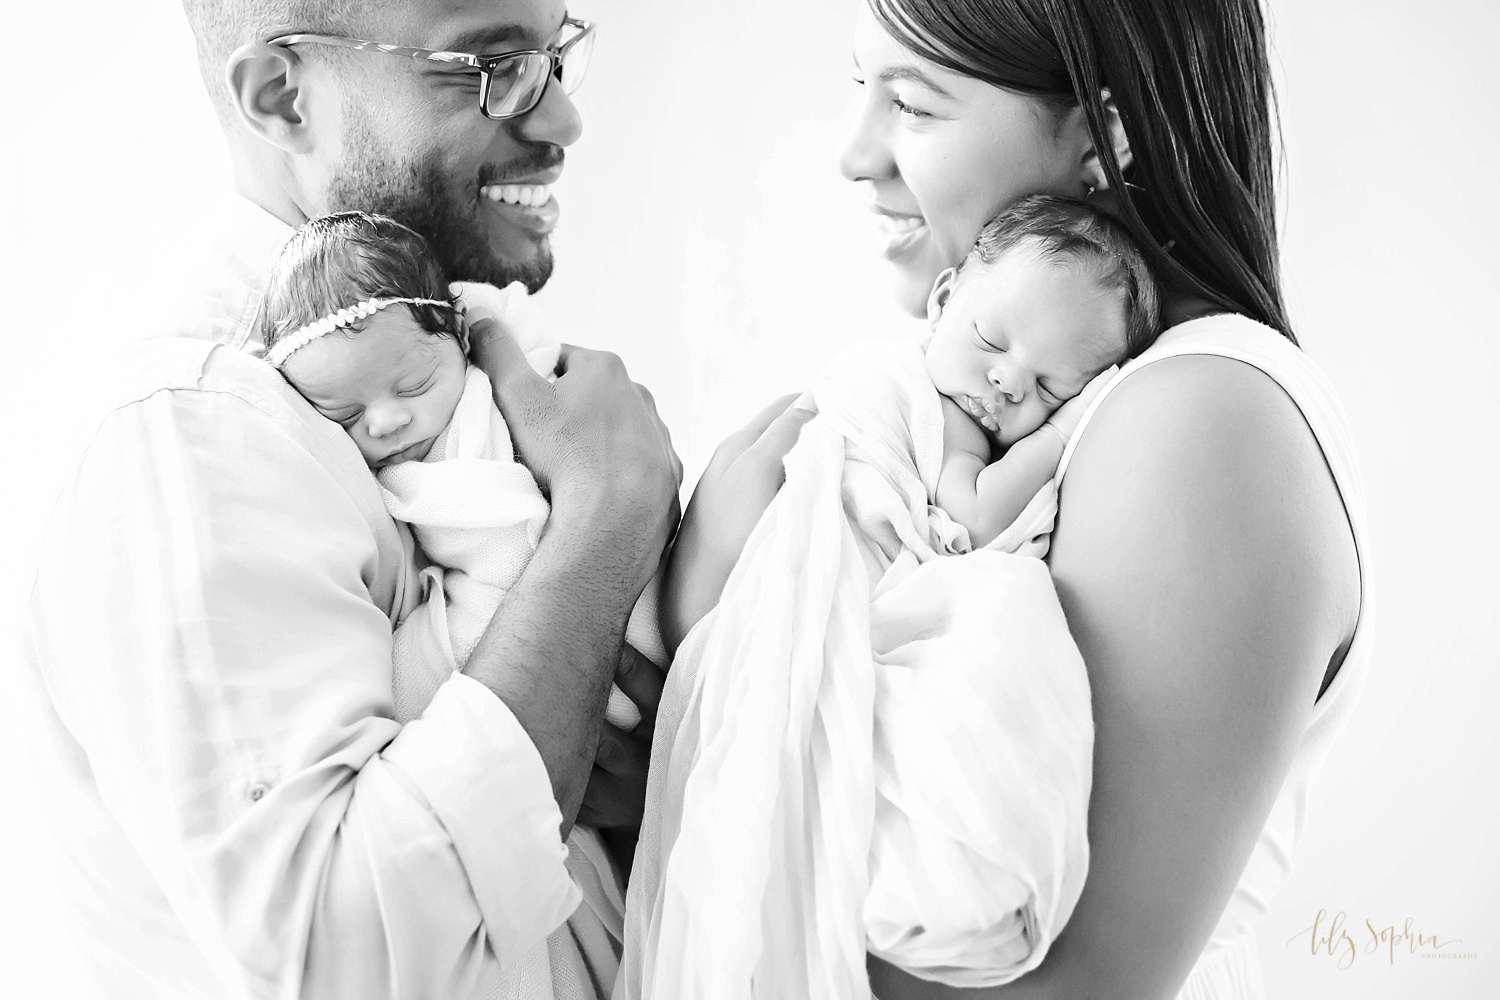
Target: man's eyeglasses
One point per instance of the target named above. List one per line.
(510, 84)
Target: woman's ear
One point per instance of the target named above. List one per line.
(937, 299)
(264, 90)
(1094, 174)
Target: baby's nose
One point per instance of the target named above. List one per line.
(384, 420)
(1008, 383)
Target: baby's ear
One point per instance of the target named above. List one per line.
(937, 299)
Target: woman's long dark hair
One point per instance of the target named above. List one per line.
(1192, 83)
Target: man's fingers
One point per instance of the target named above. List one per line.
(611, 801)
(622, 753)
(642, 681)
(498, 354)
(571, 356)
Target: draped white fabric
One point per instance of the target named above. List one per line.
(477, 513)
(875, 742)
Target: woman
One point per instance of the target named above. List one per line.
(1203, 551)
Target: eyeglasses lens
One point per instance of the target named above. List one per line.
(575, 63)
(515, 84)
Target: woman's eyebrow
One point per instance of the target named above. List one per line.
(914, 75)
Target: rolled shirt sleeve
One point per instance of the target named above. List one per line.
(208, 626)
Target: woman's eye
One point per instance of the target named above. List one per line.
(907, 109)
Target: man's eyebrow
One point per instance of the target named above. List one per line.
(492, 36)
(915, 76)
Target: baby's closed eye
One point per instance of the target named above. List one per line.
(344, 416)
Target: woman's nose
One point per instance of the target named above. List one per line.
(382, 421)
(866, 155)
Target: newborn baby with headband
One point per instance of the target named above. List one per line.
(358, 318)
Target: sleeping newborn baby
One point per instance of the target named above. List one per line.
(880, 740)
(357, 317)
(1052, 295)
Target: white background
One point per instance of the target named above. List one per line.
(708, 238)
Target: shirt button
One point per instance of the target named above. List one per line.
(258, 791)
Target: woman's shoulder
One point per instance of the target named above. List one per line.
(1226, 379)
(1223, 437)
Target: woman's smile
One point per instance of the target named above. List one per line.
(939, 154)
(898, 232)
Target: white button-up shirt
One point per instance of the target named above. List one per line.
(210, 630)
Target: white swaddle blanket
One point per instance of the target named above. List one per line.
(477, 514)
(870, 744)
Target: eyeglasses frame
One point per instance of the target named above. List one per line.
(483, 65)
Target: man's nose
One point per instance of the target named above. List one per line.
(382, 421)
(555, 119)
(866, 155)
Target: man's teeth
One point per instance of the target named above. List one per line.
(529, 195)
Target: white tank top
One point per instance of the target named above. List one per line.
(1229, 969)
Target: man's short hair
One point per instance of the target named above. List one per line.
(221, 26)
(1068, 230)
(340, 260)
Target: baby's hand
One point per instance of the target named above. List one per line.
(1065, 418)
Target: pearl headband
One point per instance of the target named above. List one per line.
(348, 316)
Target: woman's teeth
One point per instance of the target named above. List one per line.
(529, 195)
(893, 227)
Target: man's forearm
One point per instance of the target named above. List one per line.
(551, 649)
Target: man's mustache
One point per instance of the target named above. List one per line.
(535, 161)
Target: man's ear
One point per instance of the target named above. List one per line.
(264, 88)
(937, 299)
(1094, 175)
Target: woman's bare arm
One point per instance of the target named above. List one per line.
(1207, 569)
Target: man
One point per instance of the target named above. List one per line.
(211, 626)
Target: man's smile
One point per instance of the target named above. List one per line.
(525, 202)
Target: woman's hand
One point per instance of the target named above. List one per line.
(739, 484)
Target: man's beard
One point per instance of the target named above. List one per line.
(445, 213)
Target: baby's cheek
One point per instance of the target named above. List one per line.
(366, 450)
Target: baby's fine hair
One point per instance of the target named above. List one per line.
(1066, 229)
(340, 260)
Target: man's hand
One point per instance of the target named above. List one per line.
(616, 793)
(593, 440)
(739, 484)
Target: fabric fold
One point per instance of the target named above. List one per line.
(876, 742)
